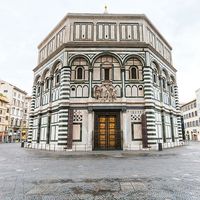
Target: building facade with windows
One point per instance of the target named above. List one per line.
(104, 81)
(25, 120)
(16, 98)
(191, 120)
(4, 118)
(197, 92)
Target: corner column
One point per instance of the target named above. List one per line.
(179, 114)
(149, 103)
(64, 107)
(31, 117)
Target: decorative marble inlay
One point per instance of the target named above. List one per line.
(136, 115)
(78, 116)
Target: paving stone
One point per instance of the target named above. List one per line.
(138, 186)
(172, 174)
(126, 186)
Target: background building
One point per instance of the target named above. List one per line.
(104, 81)
(198, 101)
(191, 117)
(4, 118)
(25, 125)
(191, 120)
(17, 106)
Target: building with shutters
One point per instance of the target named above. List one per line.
(16, 98)
(4, 118)
(191, 118)
(104, 82)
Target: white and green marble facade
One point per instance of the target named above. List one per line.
(62, 101)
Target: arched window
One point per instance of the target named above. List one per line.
(47, 83)
(164, 83)
(38, 89)
(133, 67)
(79, 68)
(154, 78)
(155, 75)
(56, 74)
(155, 72)
(79, 73)
(172, 89)
(57, 78)
(133, 72)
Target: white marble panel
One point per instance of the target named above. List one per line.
(117, 74)
(76, 131)
(137, 131)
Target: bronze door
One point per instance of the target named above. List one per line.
(107, 132)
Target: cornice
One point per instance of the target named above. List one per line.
(104, 45)
(190, 102)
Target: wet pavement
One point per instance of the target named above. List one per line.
(42, 175)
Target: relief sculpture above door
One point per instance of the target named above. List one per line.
(105, 92)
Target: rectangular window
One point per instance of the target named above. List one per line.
(106, 71)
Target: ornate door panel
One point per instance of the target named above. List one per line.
(107, 134)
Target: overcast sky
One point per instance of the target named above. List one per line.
(24, 23)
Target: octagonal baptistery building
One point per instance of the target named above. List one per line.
(104, 82)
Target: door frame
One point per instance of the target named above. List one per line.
(98, 113)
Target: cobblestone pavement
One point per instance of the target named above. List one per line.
(41, 175)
